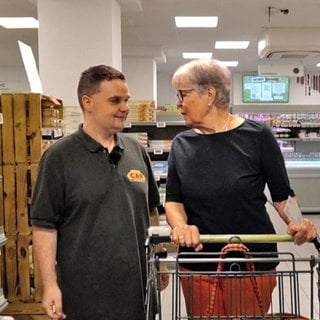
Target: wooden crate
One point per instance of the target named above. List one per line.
(16, 198)
(23, 124)
(1, 123)
(7, 128)
(1, 199)
(21, 147)
(9, 199)
(22, 278)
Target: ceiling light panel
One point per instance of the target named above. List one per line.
(230, 63)
(197, 55)
(196, 22)
(19, 22)
(231, 44)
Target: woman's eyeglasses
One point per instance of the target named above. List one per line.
(181, 94)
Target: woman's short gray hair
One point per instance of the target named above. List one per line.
(204, 74)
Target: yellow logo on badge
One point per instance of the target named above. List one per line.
(136, 175)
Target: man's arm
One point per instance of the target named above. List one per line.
(164, 279)
(44, 242)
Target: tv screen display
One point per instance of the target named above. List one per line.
(261, 89)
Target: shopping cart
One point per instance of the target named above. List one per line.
(231, 291)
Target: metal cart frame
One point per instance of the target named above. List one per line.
(285, 302)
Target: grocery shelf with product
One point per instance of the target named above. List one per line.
(298, 135)
(156, 136)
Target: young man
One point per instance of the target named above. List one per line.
(91, 209)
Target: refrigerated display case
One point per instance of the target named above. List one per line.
(298, 135)
(304, 177)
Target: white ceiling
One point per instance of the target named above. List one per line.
(152, 32)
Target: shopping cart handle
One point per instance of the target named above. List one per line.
(159, 234)
(245, 238)
(162, 234)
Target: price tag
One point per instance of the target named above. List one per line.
(47, 132)
(161, 124)
(158, 151)
(57, 133)
(157, 178)
(128, 125)
(1, 118)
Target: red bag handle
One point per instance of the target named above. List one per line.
(240, 247)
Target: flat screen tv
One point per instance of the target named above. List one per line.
(261, 89)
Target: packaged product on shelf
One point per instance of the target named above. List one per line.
(141, 110)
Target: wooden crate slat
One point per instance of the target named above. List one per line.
(1, 198)
(1, 121)
(33, 171)
(35, 132)
(7, 129)
(20, 310)
(36, 282)
(2, 268)
(10, 250)
(24, 254)
(20, 127)
(9, 197)
(22, 198)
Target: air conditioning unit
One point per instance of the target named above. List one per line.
(291, 70)
(289, 43)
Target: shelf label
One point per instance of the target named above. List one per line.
(157, 178)
(161, 124)
(158, 151)
(128, 125)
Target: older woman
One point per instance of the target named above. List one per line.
(217, 175)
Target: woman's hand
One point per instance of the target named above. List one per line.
(301, 233)
(187, 236)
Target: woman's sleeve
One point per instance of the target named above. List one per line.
(173, 181)
(274, 168)
(154, 198)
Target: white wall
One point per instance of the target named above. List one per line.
(13, 79)
(141, 76)
(74, 36)
(166, 93)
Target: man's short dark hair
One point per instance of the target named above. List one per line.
(91, 79)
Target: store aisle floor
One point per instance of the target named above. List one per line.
(304, 251)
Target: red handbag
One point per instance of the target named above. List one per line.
(246, 295)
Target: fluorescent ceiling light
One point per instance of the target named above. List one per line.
(230, 63)
(19, 22)
(231, 44)
(196, 22)
(318, 64)
(197, 55)
(30, 67)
